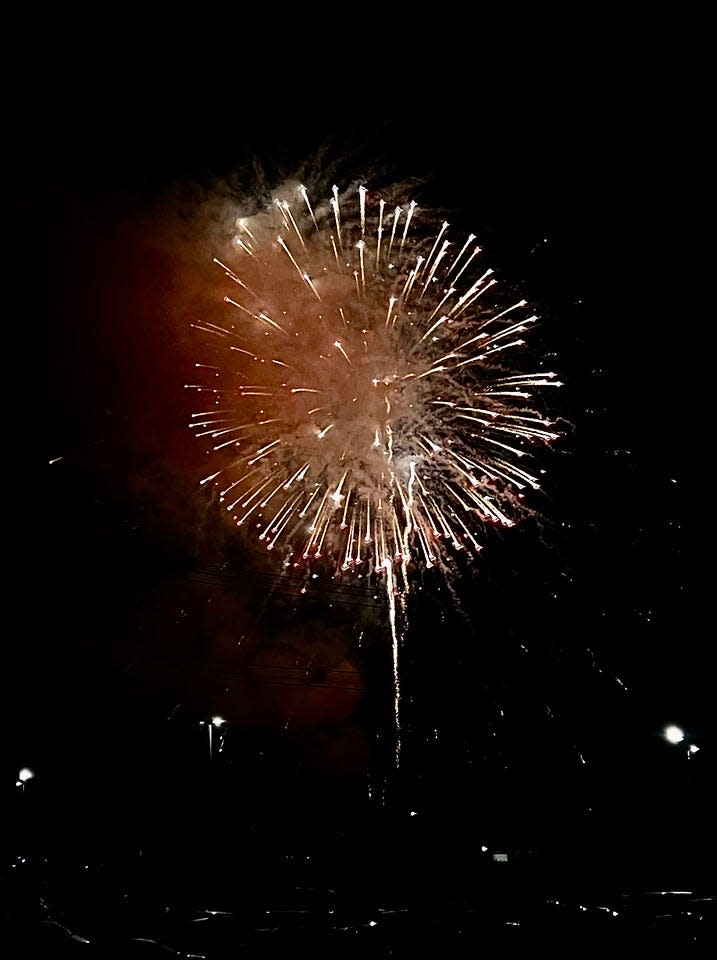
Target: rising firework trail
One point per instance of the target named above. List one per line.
(363, 410)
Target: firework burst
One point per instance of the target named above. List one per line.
(362, 404)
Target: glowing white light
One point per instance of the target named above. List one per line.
(484, 849)
(25, 774)
(692, 748)
(218, 721)
(674, 734)
(414, 813)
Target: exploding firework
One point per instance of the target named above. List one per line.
(362, 405)
(361, 397)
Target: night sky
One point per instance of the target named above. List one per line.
(534, 708)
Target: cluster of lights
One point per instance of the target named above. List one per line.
(23, 776)
(674, 734)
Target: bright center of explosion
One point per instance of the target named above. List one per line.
(362, 404)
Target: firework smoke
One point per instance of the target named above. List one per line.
(360, 406)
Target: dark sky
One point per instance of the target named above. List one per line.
(577, 641)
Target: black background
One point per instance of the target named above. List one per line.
(574, 164)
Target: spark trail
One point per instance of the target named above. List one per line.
(363, 409)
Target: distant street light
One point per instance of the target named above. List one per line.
(23, 776)
(674, 734)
